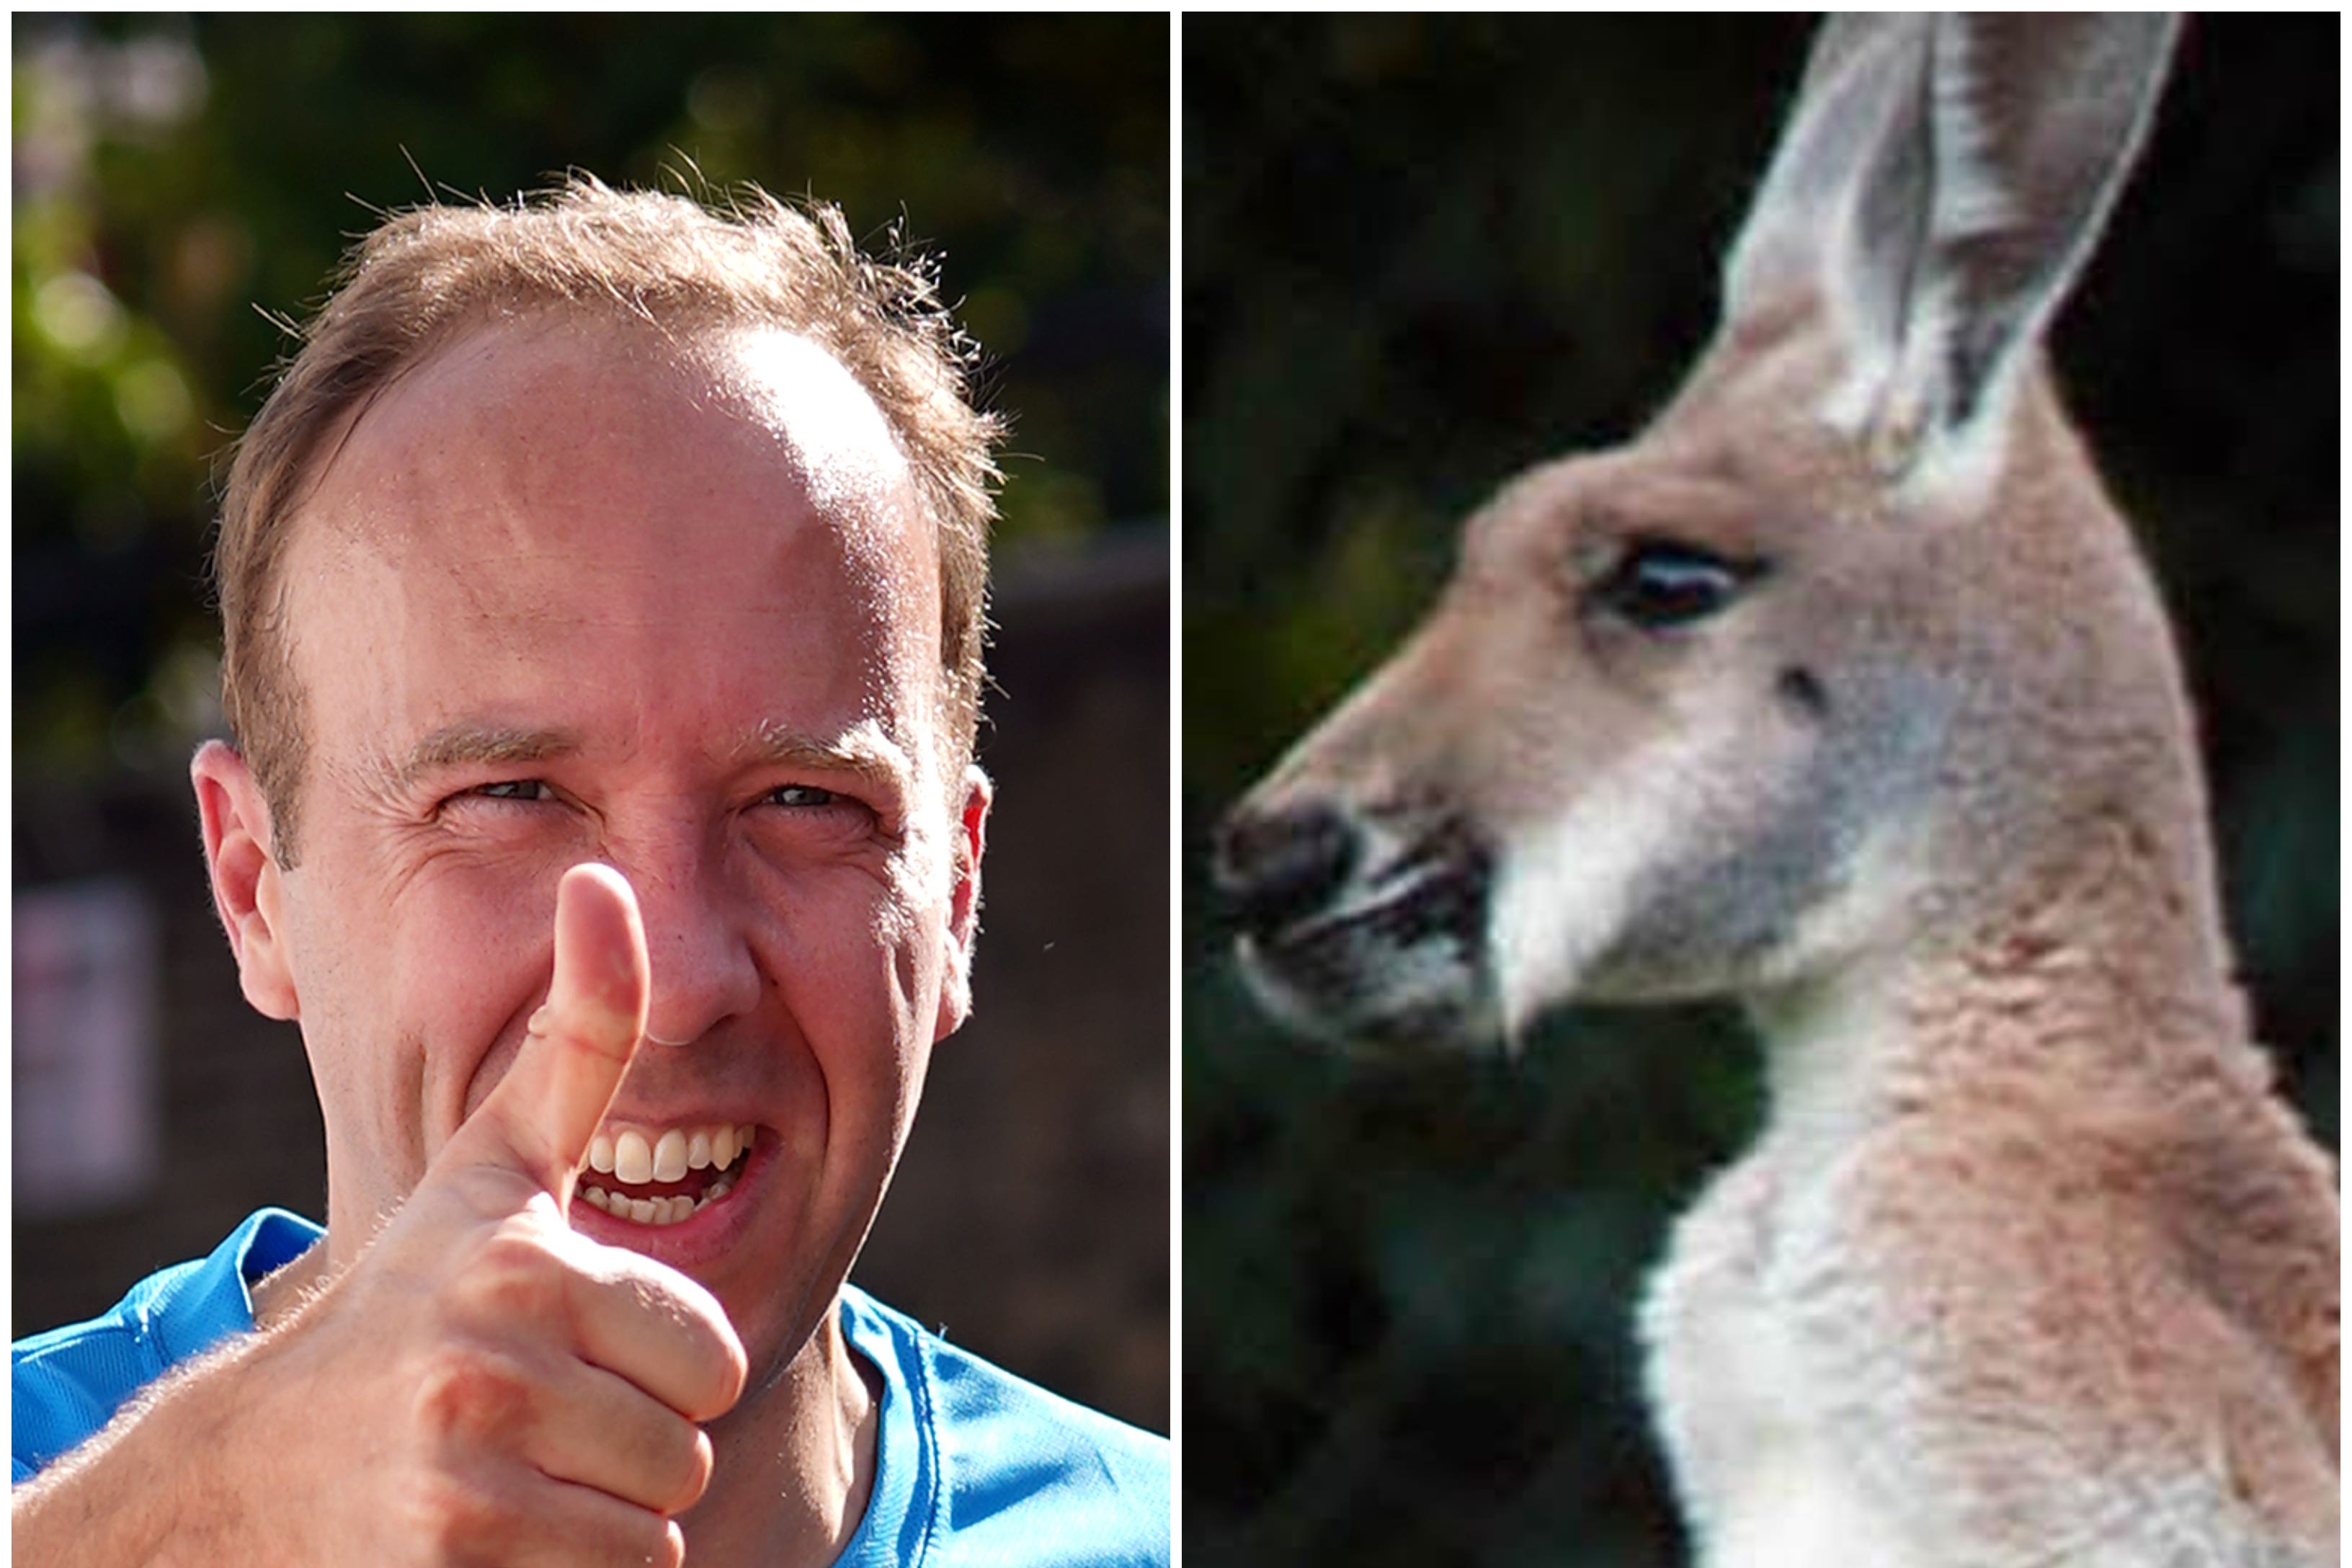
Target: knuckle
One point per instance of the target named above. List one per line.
(662, 1545)
(702, 1462)
(717, 1355)
(602, 1020)
(458, 1518)
(515, 1276)
(689, 1471)
(470, 1396)
(637, 1540)
(717, 1381)
(702, 1344)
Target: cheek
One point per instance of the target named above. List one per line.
(916, 896)
(1673, 859)
(866, 993)
(423, 977)
(907, 935)
(1569, 883)
(464, 942)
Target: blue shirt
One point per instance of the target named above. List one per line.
(68, 1383)
(974, 1466)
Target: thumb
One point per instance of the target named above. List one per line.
(539, 1121)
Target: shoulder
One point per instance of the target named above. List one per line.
(1021, 1473)
(66, 1383)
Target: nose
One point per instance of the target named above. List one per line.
(704, 969)
(1275, 864)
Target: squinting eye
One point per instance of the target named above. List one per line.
(801, 795)
(1658, 582)
(516, 789)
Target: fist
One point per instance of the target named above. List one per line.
(485, 1385)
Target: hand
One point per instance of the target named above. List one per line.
(484, 1384)
(535, 1394)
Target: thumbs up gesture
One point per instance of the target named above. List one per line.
(484, 1384)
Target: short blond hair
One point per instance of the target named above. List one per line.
(424, 274)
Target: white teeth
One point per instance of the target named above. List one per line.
(633, 1159)
(688, 1149)
(650, 1211)
(635, 1155)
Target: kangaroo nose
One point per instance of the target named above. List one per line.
(1274, 865)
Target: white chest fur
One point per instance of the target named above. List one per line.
(1767, 1479)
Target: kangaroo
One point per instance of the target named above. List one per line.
(1843, 690)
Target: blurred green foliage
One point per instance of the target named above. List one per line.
(1421, 253)
(173, 175)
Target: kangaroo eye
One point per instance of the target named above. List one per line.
(1660, 583)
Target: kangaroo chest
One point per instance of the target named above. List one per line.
(1743, 1387)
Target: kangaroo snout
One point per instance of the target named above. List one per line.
(1350, 926)
(1280, 864)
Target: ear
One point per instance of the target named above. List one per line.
(963, 909)
(247, 893)
(1941, 182)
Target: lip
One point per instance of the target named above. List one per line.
(704, 1236)
(1401, 964)
(1439, 903)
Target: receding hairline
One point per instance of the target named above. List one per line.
(673, 260)
(826, 421)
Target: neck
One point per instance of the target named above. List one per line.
(794, 1463)
(2096, 968)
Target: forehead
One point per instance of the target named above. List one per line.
(518, 402)
(735, 490)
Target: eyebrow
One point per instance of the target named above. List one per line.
(862, 752)
(471, 744)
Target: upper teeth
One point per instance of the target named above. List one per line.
(638, 1155)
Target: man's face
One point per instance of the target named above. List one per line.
(561, 597)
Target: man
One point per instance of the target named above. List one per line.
(602, 589)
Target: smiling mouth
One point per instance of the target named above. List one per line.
(663, 1178)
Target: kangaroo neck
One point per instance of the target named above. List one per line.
(2101, 968)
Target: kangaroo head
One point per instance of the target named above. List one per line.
(1846, 641)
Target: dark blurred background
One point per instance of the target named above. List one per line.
(1421, 253)
(176, 177)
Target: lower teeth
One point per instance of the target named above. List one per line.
(656, 1211)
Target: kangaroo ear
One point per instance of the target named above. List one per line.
(1940, 182)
